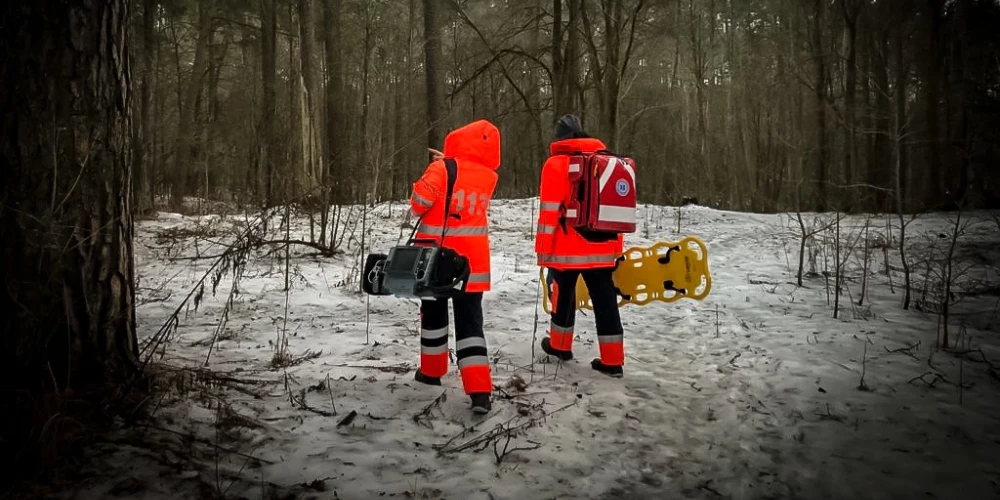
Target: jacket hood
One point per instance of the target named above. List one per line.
(581, 145)
(478, 142)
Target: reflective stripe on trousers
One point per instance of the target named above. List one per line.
(612, 349)
(454, 231)
(548, 205)
(471, 351)
(434, 341)
(576, 259)
(474, 365)
(434, 350)
(560, 337)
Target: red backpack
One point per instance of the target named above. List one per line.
(602, 200)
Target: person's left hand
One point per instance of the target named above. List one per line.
(435, 154)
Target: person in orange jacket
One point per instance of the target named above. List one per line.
(567, 254)
(475, 148)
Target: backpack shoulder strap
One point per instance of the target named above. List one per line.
(451, 171)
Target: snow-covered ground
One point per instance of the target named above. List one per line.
(755, 392)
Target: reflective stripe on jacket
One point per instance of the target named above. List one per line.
(557, 244)
(476, 150)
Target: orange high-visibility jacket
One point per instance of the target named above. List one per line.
(557, 244)
(476, 150)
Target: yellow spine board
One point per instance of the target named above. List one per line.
(644, 278)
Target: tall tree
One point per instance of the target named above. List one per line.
(332, 14)
(66, 226)
(184, 154)
(311, 118)
(932, 81)
(434, 72)
(879, 61)
(565, 59)
(819, 61)
(269, 76)
(851, 10)
(143, 140)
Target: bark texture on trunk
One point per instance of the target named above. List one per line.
(268, 60)
(433, 73)
(66, 226)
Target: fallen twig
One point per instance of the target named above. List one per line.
(258, 243)
(347, 418)
(501, 454)
(937, 378)
(284, 361)
(905, 350)
(967, 354)
(737, 356)
(399, 369)
(497, 432)
(705, 486)
(330, 390)
(419, 418)
(301, 403)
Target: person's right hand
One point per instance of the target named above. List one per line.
(435, 154)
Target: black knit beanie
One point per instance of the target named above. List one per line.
(569, 127)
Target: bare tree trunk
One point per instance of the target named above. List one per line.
(703, 170)
(433, 73)
(822, 174)
(292, 166)
(558, 62)
(852, 10)
(268, 59)
(333, 173)
(310, 117)
(903, 177)
(143, 142)
(365, 70)
(535, 93)
(949, 278)
(960, 142)
(565, 66)
(403, 169)
(399, 111)
(572, 85)
(66, 226)
(186, 129)
(880, 157)
(932, 67)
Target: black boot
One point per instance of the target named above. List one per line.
(481, 402)
(611, 371)
(556, 353)
(424, 379)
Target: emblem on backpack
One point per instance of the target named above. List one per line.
(621, 187)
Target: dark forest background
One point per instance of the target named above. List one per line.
(744, 104)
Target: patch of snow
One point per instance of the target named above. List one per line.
(751, 393)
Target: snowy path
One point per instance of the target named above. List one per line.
(752, 393)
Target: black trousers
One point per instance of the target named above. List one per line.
(601, 287)
(470, 342)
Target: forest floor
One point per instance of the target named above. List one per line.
(755, 392)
